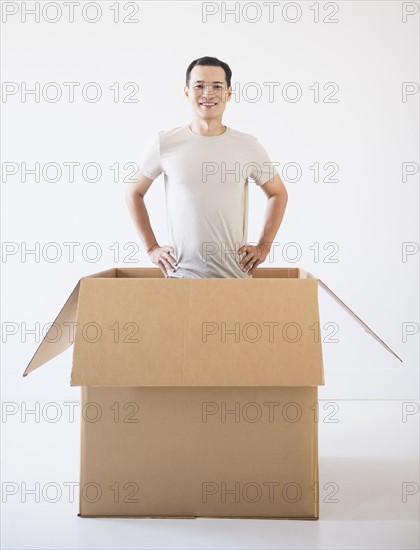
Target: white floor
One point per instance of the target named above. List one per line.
(365, 458)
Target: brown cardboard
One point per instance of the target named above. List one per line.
(199, 396)
(189, 456)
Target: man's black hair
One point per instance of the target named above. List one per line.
(212, 62)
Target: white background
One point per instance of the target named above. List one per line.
(369, 213)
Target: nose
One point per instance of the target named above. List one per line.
(207, 95)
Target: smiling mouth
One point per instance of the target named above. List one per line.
(208, 104)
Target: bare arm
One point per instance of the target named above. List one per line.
(277, 196)
(134, 198)
(276, 206)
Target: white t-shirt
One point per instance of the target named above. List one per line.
(206, 189)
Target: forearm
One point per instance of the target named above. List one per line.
(276, 206)
(138, 211)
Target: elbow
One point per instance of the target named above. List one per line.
(132, 196)
(281, 196)
(284, 195)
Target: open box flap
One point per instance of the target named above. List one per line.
(60, 335)
(194, 332)
(358, 320)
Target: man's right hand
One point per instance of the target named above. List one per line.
(161, 256)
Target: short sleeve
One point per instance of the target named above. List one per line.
(261, 169)
(150, 161)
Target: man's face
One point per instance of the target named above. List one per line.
(208, 92)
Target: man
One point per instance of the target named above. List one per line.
(206, 167)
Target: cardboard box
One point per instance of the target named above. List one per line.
(199, 396)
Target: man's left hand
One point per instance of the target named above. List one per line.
(255, 255)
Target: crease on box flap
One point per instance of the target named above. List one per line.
(51, 346)
(358, 320)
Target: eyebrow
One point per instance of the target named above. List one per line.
(214, 82)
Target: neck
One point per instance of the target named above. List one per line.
(207, 127)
